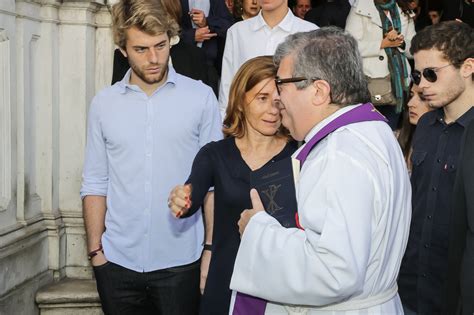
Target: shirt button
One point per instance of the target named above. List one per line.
(438, 160)
(429, 217)
(424, 275)
(427, 245)
(381, 58)
(434, 189)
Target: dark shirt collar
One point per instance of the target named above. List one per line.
(463, 120)
(466, 118)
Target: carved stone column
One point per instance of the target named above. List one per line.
(77, 70)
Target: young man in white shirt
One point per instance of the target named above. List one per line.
(257, 36)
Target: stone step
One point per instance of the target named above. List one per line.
(69, 297)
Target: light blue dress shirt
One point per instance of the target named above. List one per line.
(138, 149)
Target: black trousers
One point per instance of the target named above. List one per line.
(172, 291)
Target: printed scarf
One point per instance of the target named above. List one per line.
(397, 63)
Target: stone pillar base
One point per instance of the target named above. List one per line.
(69, 297)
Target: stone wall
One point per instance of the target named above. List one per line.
(54, 56)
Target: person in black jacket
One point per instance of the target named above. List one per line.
(458, 9)
(444, 72)
(206, 29)
(461, 245)
(329, 12)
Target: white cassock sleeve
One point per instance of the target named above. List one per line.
(327, 261)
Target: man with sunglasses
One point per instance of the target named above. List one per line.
(353, 192)
(444, 70)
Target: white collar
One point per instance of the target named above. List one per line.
(327, 120)
(286, 24)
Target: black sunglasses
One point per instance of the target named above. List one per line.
(279, 81)
(428, 73)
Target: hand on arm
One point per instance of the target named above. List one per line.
(247, 214)
(179, 200)
(94, 208)
(202, 34)
(209, 224)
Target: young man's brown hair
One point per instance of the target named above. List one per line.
(147, 15)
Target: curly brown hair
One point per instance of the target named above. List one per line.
(453, 38)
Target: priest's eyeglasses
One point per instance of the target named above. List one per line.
(279, 81)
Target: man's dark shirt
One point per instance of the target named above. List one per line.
(436, 147)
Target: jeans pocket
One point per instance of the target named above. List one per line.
(107, 263)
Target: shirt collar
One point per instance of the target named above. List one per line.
(327, 120)
(125, 85)
(258, 22)
(323, 123)
(464, 120)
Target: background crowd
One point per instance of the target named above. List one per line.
(417, 69)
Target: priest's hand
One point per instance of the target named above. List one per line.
(247, 214)
(179, 200)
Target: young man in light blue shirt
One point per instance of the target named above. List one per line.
(143, 133)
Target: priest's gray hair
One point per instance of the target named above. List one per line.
(329, 54)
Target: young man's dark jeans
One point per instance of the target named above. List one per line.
(172, 291)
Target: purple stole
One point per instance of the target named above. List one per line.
(248, 305)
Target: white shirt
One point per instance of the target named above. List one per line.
(251, 38)
(354, 203)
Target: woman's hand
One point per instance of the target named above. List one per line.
(392, 35)
(391, 41)
(179, 200)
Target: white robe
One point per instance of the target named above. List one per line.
(354, 203)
